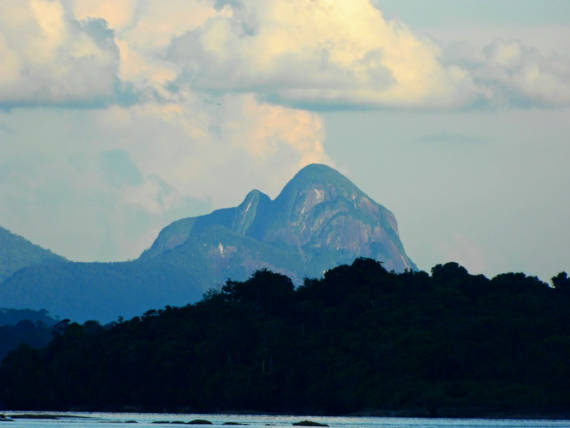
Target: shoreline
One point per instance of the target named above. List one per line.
(484, 414)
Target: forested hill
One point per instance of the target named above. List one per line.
(17, 253)
(360, 339)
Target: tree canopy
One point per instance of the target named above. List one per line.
(359, 339)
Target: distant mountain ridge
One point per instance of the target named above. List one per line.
(17, 253)
(320, 220)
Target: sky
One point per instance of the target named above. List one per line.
(120, 116)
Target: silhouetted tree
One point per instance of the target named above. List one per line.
(561, 282)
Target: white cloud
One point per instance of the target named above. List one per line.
(318, 53)
(511, 73)
(118, 14)
(49, 58)
(310, 54)
(143, 31)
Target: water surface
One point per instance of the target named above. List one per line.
(100, 420)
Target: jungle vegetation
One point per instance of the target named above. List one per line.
(360, 339)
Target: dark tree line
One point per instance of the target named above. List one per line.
(24, 326)
(32, 333)
(359, 339)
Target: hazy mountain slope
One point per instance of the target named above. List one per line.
(14, 316)
(319, 220)
(17, 253)
(100, 291)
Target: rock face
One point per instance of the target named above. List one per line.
(319, 220)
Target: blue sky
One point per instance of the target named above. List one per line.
(117, 118)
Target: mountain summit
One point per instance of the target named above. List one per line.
(319, 220)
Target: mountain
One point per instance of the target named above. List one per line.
(318, 221)
(17, 253)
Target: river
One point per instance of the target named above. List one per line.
(100, 420)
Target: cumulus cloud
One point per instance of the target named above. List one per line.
(317, 53)
(324, 54)
(509, 73)
(309, 54)
(50, 58)
(143, 31)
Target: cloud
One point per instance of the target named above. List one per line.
(117, 14)
(317, 53)
(307, 54)
(143, 31)
(50, 58)
(510, 73)
(322, 55)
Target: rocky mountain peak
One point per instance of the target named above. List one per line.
(318, 173)
(323, 180)
(318, 212)
(314, 185)
(321, 209)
